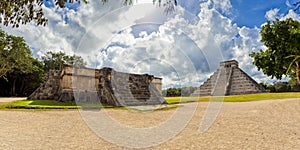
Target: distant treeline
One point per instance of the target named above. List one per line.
(290, 86)
(185, 91)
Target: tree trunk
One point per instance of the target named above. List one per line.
(3, 70)
(22, 88)
(297, 72)
(14, 88)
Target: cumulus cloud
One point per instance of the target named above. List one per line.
(223, 5)
(184, 48)
(272, 14)
(195, 49)
(291, 14)
(67, 28)
(248, 41)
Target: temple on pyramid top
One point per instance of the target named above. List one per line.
(229, 79)
(228, 64)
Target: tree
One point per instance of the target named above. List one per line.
(14, 53)
(283, 49)
(33, 79)
(55, 61)
(295, 86)
(19, 71)
(171, 92)
(185, 91)
(25, 11)
(23, 81)
(282, 87)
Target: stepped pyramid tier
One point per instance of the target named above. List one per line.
(229, 79)
(101, 85)
(50, 89)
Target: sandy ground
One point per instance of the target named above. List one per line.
(273, 124)
(10, 99)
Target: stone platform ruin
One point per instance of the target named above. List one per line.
(229, 79)
(100, 85)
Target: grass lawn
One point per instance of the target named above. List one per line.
(236, 98)
(39, 104)
(50, 104)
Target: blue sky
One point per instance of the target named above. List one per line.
(252, 12)
(184, 48)
(248, 13)
(244, 12)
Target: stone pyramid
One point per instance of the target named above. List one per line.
(229, 79)
(105, 85)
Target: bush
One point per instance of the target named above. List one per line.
(174, 92)
(280, 87)
(271, 88)
(295, 88)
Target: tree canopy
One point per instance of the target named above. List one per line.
(20, 73)
(55, 61)
(25, 11)
(185, 91)
(20, 82)
(14, 53)
(282, 55)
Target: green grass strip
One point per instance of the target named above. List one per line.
(51, 104)
(235, 98)
(39, 104)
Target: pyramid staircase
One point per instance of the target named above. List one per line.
(222, 82)
(134, 90)
(50, 90)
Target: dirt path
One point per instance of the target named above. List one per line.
(10, 99)
(250, 125)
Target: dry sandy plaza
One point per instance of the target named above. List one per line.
(271, 124)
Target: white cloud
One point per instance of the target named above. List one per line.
(248, 41)
(223, 5)
(291, 14)
(272, 14)
(194, 49)
(182, 51)
(93, 22)
(287, 2)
